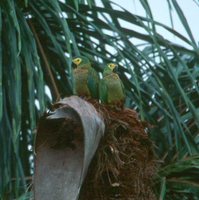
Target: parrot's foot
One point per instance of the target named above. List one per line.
(118, 106)
(86, 98)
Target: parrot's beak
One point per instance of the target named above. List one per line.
(77, 61)
(115, 70)
(74, 61)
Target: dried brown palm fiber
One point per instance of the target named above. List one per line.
(124, 165)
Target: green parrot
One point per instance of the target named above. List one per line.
(86, 79)
(111, 88)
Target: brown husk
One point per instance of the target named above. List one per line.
(124, 165)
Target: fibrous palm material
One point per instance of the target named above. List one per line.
(124, 165)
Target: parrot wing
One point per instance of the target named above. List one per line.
(103, 91)
(123, 88)
(93, 81)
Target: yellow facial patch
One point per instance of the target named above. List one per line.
(112, 66)
(77, 61)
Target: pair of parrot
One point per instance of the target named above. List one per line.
(109, 89)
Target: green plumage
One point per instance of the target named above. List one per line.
(111, 87)
(86, 79)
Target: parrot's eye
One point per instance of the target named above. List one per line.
(112, 66)
(77, 61)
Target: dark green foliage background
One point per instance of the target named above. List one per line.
(41, 36)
